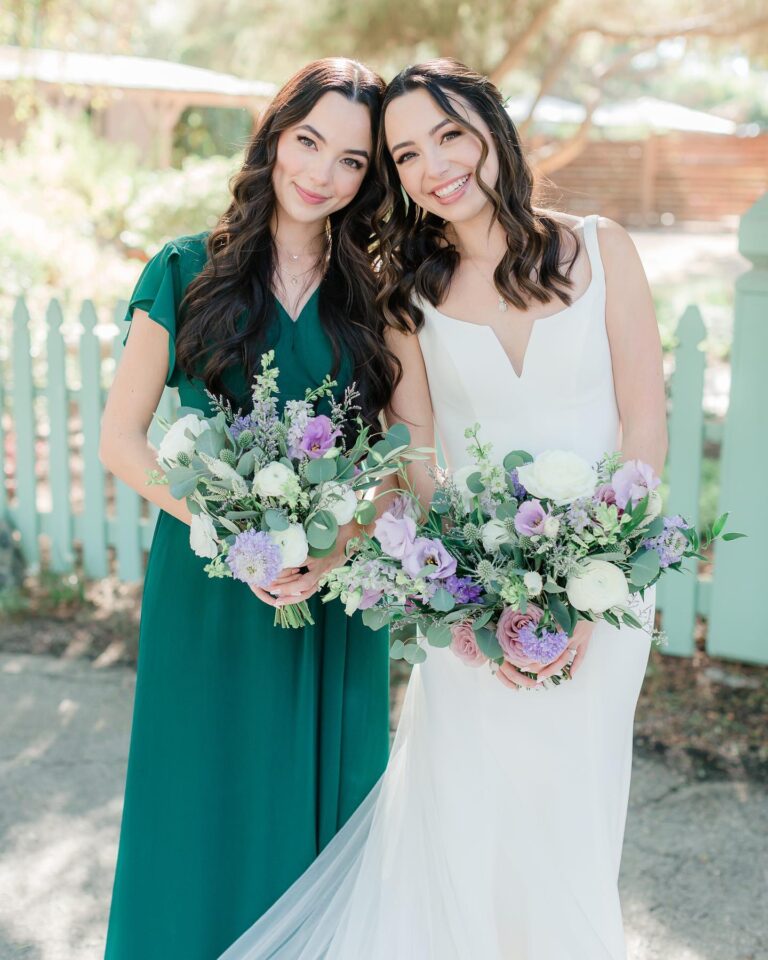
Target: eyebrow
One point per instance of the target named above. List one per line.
(437, 126)
(316, 133)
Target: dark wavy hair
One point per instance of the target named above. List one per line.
(416, 258)
(237, 278)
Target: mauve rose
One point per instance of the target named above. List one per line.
(633, 481)
(318, 437)
(464, 645)
(425, 552)
(510, 623)
(395, 534)
(530, 517)
(605, 494)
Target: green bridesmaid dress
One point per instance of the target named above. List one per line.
(251, 744)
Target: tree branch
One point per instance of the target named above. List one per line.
(522, 41)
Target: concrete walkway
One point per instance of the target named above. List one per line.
(694, 871)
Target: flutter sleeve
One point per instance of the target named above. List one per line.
(159, 292)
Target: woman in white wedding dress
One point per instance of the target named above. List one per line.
(496, 831)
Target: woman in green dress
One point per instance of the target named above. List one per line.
(251, 744)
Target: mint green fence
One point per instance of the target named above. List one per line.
(56, 492)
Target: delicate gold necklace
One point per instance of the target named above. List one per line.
(502, 304)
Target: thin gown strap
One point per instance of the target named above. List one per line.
(589, 232)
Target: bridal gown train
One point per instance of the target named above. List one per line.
(496, 830)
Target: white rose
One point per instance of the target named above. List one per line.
(493, 534)
(293, 544)
(559, 476)
(597, 586)
(202, 536)
(276, 480)
(352, 601)
(338, 499)
(533, 583)
(176, 440)
(551, 527)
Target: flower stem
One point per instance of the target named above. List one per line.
(293, 616)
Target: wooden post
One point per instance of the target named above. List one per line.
(24, 429)
(676, 593)
(737, 627)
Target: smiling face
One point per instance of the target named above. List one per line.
(437, 158)
(322, 160)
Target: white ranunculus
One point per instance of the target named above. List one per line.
(559, 476)
(276, 480)
(176, 441)
(293, 544)
(533, 583)
(202, 536)
(597, 586)
(493, 534)
(338, 499)
(551, 527)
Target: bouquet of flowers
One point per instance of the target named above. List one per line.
(267, 490)
(511, 556)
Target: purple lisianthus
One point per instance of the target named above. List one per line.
(395, 534)
(426, 552)
(518, 489)
(370, 597)
(542, 647)
(255, 558)
(633, 481)
(530, 517)
(402, 506)
(319, 436)
(463, 589)
(239, 425)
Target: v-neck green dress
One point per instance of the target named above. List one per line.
(251, 744)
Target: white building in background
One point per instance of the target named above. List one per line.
(130, 99)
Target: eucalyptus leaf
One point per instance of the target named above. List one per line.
(397, 650)
(375, 618)
(210, 442)
(488, 644)
(246, 463)
(475, 483)
(515, 459)
(439, 634)
(320, 470)
(183, 488)
(276, 520)
(506, 511)
(414, 654)
(398, 434)
(322, 530)
(442, 601)
(560, 612)
(365, 512)
(440, 502)
(644, 568)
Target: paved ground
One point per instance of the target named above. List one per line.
(694, 872)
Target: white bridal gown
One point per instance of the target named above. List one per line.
(496, 830)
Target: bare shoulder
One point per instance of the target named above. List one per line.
(616, 245)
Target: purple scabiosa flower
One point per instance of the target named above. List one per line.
(239, 425)
(543, 647)
(530, 518)
(255, 558)
(518, 489)
(463, 589)
(633, 481)
(425, 552)
(671, 544)
(319, 434)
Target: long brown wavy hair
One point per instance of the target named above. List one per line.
(238, 276)
(416, 258)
